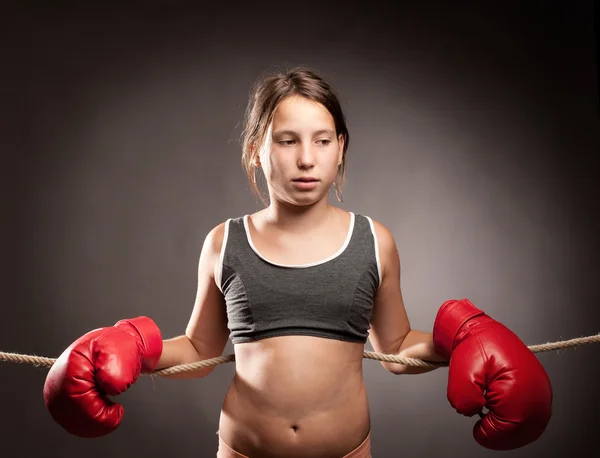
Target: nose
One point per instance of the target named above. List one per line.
(306, 157)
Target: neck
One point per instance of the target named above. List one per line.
(297, 218)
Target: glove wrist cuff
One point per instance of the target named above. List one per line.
(451, 316)
(151, 339)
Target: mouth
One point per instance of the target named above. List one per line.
(305, 183)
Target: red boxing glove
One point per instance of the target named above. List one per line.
(104, 362)
(490, 366)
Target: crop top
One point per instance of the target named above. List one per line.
(331, 298)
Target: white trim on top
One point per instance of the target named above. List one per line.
(376, 248)
(302, 266)
(222, 255)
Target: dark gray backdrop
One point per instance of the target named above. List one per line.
(474, 138)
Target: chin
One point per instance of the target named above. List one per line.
(313, 201)
(299, 198)
(303, 200)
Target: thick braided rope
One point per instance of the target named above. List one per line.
(550, 346)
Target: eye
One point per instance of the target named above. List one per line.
(286, 142)
(324, 142)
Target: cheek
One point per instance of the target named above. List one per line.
(276, 164)
(333, 161)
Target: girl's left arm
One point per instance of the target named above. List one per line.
(390, 331)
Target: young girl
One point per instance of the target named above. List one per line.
(298, 287)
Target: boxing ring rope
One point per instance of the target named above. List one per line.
(41, 361)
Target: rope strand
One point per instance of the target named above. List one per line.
(550, 346)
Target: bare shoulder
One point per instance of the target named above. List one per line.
(212, 246)
(207, 327)
(384, 235)
(214, 238)
(386, 243)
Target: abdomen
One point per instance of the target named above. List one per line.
(296, 396)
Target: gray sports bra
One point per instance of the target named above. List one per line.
(332, 298)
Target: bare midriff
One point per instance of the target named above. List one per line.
(296, 396)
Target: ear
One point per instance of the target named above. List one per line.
(341, 148)
(255, 156)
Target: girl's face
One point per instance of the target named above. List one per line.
(301, 152)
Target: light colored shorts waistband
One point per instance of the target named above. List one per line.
(362, 451)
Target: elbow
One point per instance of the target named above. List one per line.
(400, 369)
(397, 368)
(198, 357)
(394, 368)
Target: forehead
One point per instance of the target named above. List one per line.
(299, 112)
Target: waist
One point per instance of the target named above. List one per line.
(363, 450)
(296, 396)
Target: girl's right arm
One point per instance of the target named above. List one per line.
(206, 334)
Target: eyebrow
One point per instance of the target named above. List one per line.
(280, 133)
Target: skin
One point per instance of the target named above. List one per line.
(315, 405)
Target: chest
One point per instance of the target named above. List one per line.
(286, 249)
(332, 298)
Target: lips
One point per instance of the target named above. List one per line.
(305, 179)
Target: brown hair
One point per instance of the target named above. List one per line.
(266, 94)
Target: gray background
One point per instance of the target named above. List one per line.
(474, 139)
